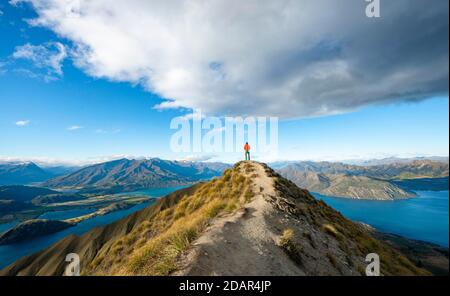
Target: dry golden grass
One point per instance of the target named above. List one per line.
(154, 246)
(290, 247)
(286, 238)
(330, 229)
(351, 238)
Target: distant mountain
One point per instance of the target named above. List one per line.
(393, 160)
(22, 173)
(132, 174)
(349, 186)
(411, 170)
(60, 170)
(250, 221)
(362, 182)
(396, 170)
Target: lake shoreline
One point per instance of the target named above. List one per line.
(4, 261)
(10, 253)
(423, 218)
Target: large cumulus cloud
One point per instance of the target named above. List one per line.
(286, 58)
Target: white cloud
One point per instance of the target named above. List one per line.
(198, 157)
(22, 123)
(1, 12)
(261, 57)
(74, 128)
(2, 67)
(100, 131)
(48, 161)
(46, 57)
(107, 131)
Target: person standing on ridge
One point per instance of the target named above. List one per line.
(247, 151)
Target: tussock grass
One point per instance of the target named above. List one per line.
(154, 247)
(248, 168)
(288, 244)
(286, 238)
(249, 194)
(352, 240)
(330, 229)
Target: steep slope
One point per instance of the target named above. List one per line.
(22, 173)
(432, 257)
(250, 221)
(347, 186)
(126, 174)
(315, 239)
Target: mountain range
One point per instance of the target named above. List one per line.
(250, 221)
(128, 175)
(391, 160)
(381, 182)
(26, 173)
(346, 186)
(396, 170)
(379, 179)
(22, 173)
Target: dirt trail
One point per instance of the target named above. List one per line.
(244, 243)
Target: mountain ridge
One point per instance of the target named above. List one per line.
(22, 173)
(380, 182)
(259, 222)
(396, 170)
(137, 174)
(347, 186)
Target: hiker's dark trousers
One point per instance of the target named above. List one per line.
(247, 155)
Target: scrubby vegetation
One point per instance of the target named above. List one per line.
(154, 246)
(158, 239)
(353, 241)
(328, 228)
(290, 247)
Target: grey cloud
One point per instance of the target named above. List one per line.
(279, 58)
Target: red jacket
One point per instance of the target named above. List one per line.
(247, 147)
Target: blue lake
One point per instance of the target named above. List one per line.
(10, 253)
(423, 218)
(6, 226)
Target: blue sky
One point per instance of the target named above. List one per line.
(84, 114)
